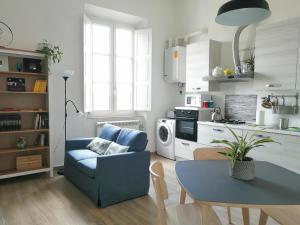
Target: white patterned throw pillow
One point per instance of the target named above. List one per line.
(115, 148)
(99, 145)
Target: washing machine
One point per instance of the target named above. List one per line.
(165, 138)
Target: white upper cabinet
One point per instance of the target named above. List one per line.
(201, 58)
(276, 56)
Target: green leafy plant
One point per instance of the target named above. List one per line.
(52, 52)
(242, 145)
(251, 60)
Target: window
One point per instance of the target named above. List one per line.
(117, 68)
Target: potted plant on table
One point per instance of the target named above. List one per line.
(242, 167)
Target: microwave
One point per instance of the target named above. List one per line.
(195, 100)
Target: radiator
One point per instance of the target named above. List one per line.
(131, 124)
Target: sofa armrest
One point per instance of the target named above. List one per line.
(78, 143)
(122, 176)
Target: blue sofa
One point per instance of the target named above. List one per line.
(109, 179)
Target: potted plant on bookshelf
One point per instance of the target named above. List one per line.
(242, 167)
(52, 53)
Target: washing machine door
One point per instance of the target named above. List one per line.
(164, 134)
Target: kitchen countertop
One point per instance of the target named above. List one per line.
(253, 127)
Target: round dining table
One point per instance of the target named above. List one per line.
(208, 183)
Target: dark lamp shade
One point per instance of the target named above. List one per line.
(243, 12)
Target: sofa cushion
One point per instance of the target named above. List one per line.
(135, 139)
(76, 155)
(99, 145)
(115, 148)
(87, 166)
(110, 132)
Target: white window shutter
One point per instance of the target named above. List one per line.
(88, 106)
(143, 70)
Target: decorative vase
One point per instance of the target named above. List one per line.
(247, 68)
(243, 170)
(21, 143)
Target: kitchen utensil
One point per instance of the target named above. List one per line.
(275, 105)
(216, 114)
(266, 102)
(205, 104)
(283, 123)
(211, 104)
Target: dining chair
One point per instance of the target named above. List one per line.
(179, 214)
(282, 216)
(208, 154)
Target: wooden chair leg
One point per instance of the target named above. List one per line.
(229, 215)
(182, 196)
(205, 214)
(246, 217)
(263, 218)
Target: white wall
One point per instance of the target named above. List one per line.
(60, 22)
(193, 15)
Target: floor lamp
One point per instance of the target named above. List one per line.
(67, 74)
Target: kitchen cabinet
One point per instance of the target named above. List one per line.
(185, 149)
(276, 56)
(201, 58)
(285, 153)
(208, 133)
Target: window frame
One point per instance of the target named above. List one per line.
(113, 75)
(116, 111)
(110, 110)
(113, 112)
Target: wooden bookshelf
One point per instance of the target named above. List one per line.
(30, 107)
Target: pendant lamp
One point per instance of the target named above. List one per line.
(243, 12)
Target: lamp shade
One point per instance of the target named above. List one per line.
(68, 73)
(243, 12)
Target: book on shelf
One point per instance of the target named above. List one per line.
(41, 121)
(41, 140)
(40, 86)
(10, 122)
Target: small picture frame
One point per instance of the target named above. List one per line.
(15, 84)
(32, 65)
(4, 63)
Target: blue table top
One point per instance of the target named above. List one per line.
(208, 181)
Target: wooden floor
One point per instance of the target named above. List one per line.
(39, 200)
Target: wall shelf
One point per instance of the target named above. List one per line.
(233, 78)
(24, 131)
(17, 150)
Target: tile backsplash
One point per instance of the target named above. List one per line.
(241, 107)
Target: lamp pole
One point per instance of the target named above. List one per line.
(66, 115)
(65, 77)
(61, 171)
